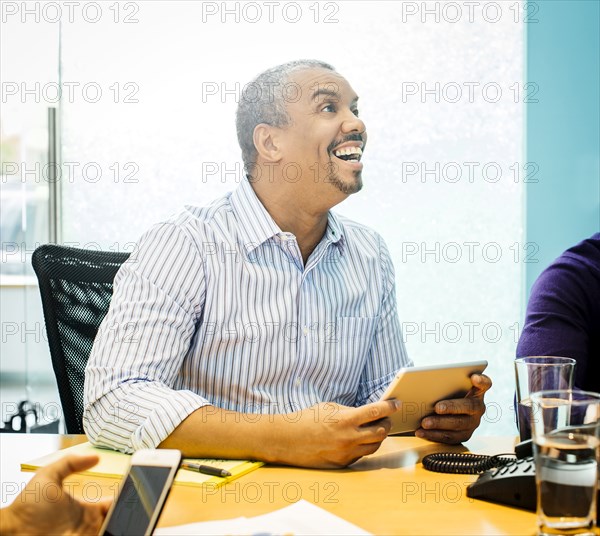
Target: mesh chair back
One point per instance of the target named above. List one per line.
(76, 286)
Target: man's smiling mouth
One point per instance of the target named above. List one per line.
(352, 154)
(349, 148)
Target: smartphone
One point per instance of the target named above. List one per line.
(144, 491)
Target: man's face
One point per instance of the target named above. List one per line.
(325, 139)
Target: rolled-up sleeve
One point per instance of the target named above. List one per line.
(130, 397)
(387, 352)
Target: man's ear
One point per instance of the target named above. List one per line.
(266, 142)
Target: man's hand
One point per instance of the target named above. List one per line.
(44, 507)
(329, 435)
(456, 420)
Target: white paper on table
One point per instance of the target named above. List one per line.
(301, 517)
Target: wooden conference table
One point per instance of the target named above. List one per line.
(388, 492)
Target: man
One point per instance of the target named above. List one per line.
(563, 313)
(44, 507)
(264, 326)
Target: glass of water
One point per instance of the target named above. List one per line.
(539, 373)
(566, 435)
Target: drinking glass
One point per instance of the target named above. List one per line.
(539, 373)
(566, 446)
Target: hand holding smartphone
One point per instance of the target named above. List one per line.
(144, 491)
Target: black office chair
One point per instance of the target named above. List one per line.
(76, 286)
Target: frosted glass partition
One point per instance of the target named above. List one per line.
(28, 74)
(441, 92)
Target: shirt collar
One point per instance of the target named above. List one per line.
(257, 225)
(335, 230)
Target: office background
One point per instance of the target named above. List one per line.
(482, 163)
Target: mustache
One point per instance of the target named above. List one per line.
(350, 137)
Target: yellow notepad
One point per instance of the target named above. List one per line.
(115, 464)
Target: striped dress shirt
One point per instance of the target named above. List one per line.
(215, 306)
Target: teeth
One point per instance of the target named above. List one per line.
(346, 151)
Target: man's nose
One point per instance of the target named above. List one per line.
(352, 123)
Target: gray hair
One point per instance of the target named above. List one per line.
(264, 101)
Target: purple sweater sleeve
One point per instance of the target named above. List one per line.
(563, 314)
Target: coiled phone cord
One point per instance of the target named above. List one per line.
(466, 464)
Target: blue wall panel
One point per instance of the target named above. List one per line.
(563, 128)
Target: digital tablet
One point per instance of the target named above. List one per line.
(419, 388)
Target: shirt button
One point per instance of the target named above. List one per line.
(305, 331)
(298, 382)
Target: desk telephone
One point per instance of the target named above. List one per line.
(512, 484)
(502, 480)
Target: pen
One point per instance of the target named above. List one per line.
(205, 469)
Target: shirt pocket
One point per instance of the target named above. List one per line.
(353, 336)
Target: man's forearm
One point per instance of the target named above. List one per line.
(211, 432)
(326, 435)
